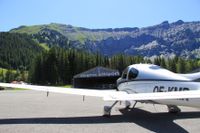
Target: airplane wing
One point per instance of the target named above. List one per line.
(154, 96)
(110, 95)
(75, 91)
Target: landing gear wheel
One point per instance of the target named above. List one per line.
(127, 104)
(173, 109)
(107, 111)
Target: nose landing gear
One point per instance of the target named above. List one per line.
(173, 109)
(107, 109)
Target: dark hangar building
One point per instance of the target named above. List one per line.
(97, 78)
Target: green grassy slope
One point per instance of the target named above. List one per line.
(71, 32)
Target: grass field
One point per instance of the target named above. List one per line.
(67, 86)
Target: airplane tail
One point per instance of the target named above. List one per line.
(192, 76)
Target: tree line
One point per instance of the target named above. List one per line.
(58, 66)
(177, 64)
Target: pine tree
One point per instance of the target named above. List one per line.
(171, 65)
(180, 66)
(10, 76)
(162, 63)
(1, 76)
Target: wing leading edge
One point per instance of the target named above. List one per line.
(74, 91)
(110, 95)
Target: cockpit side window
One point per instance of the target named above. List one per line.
(133, 73)
(124, 74)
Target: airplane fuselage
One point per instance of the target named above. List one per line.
(157, 83)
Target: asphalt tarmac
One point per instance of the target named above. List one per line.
(33, 112)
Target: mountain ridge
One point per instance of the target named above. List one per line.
(168, 39)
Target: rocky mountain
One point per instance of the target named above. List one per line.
(167, 39)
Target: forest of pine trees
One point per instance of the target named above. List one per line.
(58, 66)
(17, 50)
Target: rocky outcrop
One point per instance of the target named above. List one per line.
(177, 38)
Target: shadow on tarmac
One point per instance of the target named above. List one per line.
(155, 122)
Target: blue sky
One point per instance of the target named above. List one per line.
(96, 14)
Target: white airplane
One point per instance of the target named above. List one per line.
(144, 83)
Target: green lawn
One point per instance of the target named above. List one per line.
(67, 86)
(19, 89)
(15, 89)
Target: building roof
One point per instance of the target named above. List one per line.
(98, 72)
(196, 70)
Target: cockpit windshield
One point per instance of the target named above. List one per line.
(133, 73)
